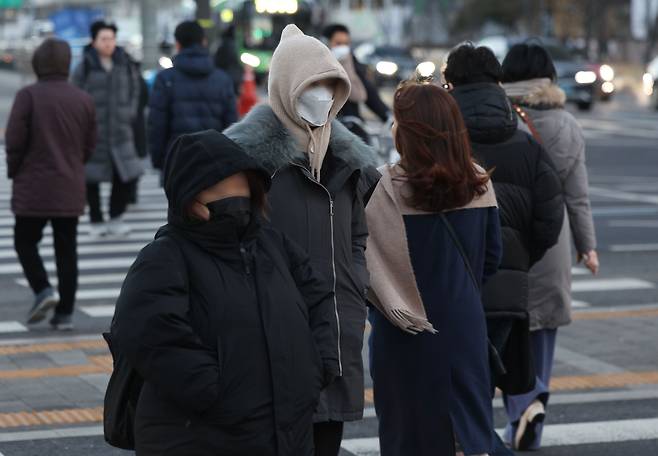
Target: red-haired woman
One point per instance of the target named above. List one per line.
(434, 239)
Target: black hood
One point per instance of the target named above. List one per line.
(52, 59)
(194, 61)
(487, 112)
(198, 161)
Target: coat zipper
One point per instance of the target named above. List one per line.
(333, 260)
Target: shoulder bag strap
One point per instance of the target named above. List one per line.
(460, 247)
(528, 121)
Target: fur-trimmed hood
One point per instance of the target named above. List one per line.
(536, 93)
(262, 135)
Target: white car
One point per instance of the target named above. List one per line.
(650, 82)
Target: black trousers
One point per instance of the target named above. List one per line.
(28, 232)
(119, 198)
(327, 438)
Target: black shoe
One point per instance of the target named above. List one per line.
(526, 433)
(62, 322)
(43, 302)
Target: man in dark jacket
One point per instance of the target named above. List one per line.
(529, 197)
(337, 37)
(192, 96)
(50, 135)
(109, 75)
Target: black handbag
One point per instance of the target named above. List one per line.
(496, 363)
(120, 402)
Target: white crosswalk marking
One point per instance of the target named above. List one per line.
(610, 285)
(103, 262)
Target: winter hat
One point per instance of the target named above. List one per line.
(299, 61)
(198, 161)
(52, 58)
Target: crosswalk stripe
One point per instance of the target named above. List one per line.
(579, 304)
(610, 285)
(100, 293)
(128, 216)
(555, 435)
(83, 265)
(98, 311)
(49, 252)
(620, 248)
(145, 236)
(86, 279)
(11, 327)
(147, 227)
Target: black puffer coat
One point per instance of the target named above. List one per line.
(531, 212)
(234, 337)
(327, 220)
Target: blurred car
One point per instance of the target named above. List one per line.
(650, 82)
(583, 82)
(387, 64)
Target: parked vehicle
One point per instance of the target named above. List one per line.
(650, 82)
(387, 64)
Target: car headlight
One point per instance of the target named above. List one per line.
(607, 87)
(426, 69)
(607, 73)
(647, 83)
(250, 59)
(386, 68)
(165, 62)
(585, 77)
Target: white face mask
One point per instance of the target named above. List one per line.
(340, 52)
(314, 105)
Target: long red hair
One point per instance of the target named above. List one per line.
(435, 149)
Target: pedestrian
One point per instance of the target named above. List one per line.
(50, 135)
(190, 97)
(530, 82)
(321, 176)
(223, 317)
(529, 194)
(434, 239)
(227, 59)
(337, 37)
(109, 75)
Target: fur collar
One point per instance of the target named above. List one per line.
(548, 97)
(262, 135)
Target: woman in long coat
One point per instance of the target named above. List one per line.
(223, 317)
(429, 353)
(529, 81)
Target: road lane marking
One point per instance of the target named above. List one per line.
(51, 417)
(585, 363)
(579, 304)
(554, 435)
(64, 433)
(11, 327)
(53, 347)
(101, 364)
(128, 216)
(610, 285)
(149, 227)
(615, 314)
(623, 211)
(98, 311)
(579, 271)
(625, 248)
(84, 239)
(83, 265)
(96, 249)
(87, 279)
(633, 223)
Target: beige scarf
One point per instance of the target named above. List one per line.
(393, 284)
(298, 62)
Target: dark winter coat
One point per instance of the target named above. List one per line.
(192, 96)
(326, 219)
(527, 187)
(531, 211)
(226, 58)
(51, 133)
(233, 337)
(116, 96)
(373, 101)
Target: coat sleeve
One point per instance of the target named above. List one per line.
(576, 196)
(230, 115)
(494, 247)
(78, 76)
(158, 121)
(17, 135)
(151, 328)
(373, 100)
(547, 207)
(318, 295)
(92, 133)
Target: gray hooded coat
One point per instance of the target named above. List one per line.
(562, 137)
(115, 95)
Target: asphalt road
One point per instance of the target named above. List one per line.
(606, 373)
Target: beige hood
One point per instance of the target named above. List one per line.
(299, 61)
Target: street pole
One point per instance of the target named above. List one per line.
(150, 43)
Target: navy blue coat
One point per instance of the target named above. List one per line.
(190, 97)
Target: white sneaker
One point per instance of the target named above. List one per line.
(527, 432)
(97, 230)
(117, 227)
